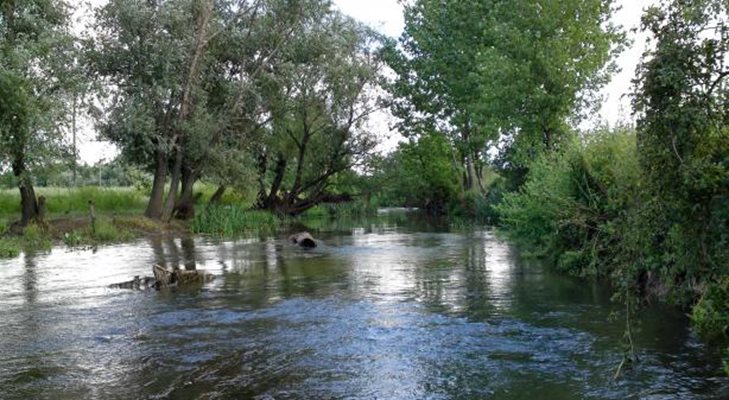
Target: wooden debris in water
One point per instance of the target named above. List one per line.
(179, 277)
(166, 278)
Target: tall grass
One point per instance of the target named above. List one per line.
(233, 220)
(9, 247)
(348, 209)
(75, 200)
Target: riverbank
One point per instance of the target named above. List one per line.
(119, 218)
(78, 231)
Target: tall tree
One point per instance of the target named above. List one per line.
(222, 149)
(320, 93)
(37, 50)
(484, 70)
(151, 64)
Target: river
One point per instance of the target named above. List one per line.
(394, 307)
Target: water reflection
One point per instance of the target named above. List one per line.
(169, 254)
(29, 279)
(387, 308)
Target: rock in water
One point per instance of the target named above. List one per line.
(303, 239)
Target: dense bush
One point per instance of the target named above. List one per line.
(573, 199)
(589, 208)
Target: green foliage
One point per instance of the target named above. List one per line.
(421, 173)
(106, 232)
(480, 71)
(573, 200)
(232, 221)
(648, 210)
(683, 141)
(475, 206)
(709, 315)
(73, 239)
(35, 237)
(9, 247)
(37, 76)
(354, 209)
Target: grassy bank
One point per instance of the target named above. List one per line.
(119, 218)
(80, 232)
(74, 201)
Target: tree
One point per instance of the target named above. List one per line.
(420, 174)
(320, 91)
(151, 65)
(683, 140)
(484, 70)
(242, 56)
(192, 103)
(37, 51)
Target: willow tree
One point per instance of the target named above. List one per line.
(244, 53)
(150, 58)
(36, 50)
(320, 92)
(183, 85)
(484, 70)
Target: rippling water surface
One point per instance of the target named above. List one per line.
(387, 308)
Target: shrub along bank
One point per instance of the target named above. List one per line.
(591, 208)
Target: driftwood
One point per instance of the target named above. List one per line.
(166, 278)
(303, 239)
(179, 277)
(137, 283)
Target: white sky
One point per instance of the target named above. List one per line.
(386, 16)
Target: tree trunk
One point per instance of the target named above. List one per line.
(28, 202)
(547, 138)
(479, 166)
(268, 202)
(171, 200)
(189, 177)
(186, 104)
(468, 184)
(185, 205)
(218, 195)
(296, 187)
(154, 207)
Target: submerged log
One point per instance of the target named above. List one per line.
(303, 239)
(137, 283)
(166, 278)
(179, 277)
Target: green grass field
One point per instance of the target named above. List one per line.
(74, 201)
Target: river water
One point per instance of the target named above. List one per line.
(394, 307)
